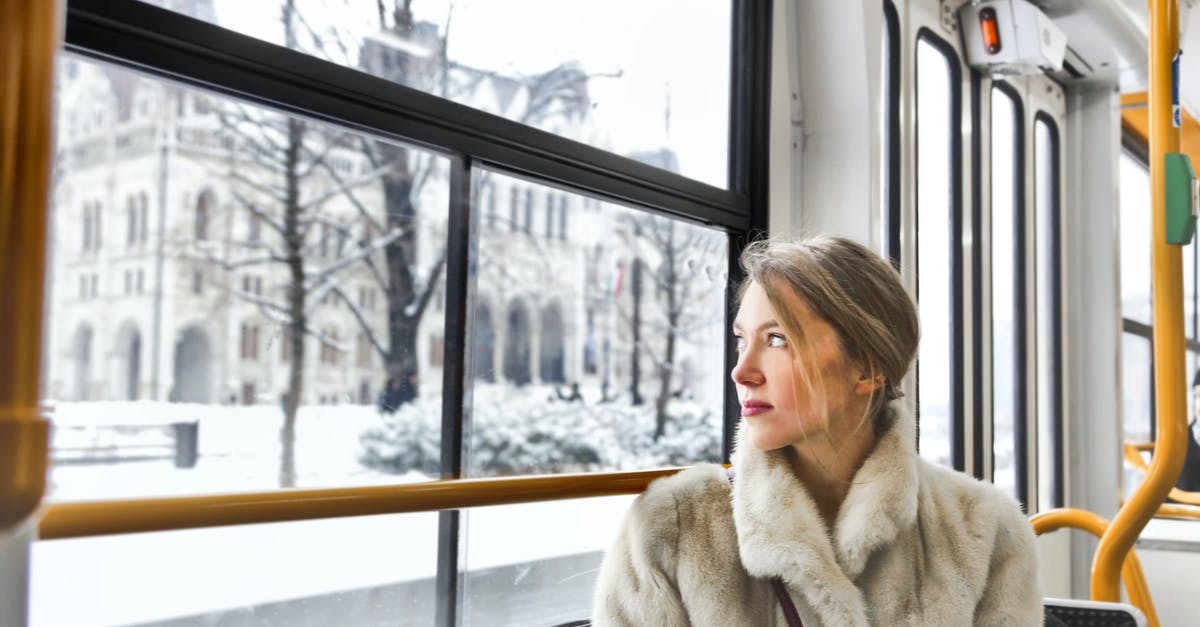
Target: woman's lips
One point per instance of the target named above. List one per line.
(754, 408)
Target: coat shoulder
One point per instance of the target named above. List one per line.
(976, 508)
(700, 485)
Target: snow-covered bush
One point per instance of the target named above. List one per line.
(513, 435)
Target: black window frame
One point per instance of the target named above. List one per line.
(196, 53)
(1056, 306)
(1020, 311)
(957, 357)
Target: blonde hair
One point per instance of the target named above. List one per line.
(854, 290)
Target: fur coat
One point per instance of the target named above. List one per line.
(913, 544)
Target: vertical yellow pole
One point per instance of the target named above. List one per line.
(28, 41)
(1169, 376)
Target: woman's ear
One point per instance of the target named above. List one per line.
(869, 382)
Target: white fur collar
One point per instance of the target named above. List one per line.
(780, 532)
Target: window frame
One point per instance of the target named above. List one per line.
(957, 356)
(196, 53)
(1055, 289)
(1020, 304)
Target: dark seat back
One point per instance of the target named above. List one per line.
(1076, 613)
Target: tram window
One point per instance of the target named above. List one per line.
(1046, 269)
(536, 564)
(372, 570)
(1006, 206)
(1189, 291)
(1135, 240)
(531, 60)
(1137, 373)
(889, 117)
(1137, 391)
(936, 186)
(187, 370)
(638, 295)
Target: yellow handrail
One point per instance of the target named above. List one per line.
(93, 518)
(1131, 570)
(29, 32)
(1168, 322)
(1133, 455)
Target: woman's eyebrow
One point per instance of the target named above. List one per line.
(769, 324)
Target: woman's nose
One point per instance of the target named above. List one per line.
(746, 371)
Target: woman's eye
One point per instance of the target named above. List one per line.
(739, 342)
(776, 341)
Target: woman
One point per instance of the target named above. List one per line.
(829, 515)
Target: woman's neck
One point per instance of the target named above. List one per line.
(827, 465)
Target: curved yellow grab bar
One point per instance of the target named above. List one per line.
(1131, 571)
(29, 31)
(1133, 455)
(1172, 510)
(1169, 394)
(93, 518)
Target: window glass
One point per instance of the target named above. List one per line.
(1045, 145)
(1135, 240)
(1189, 291)
(600, 350)
(1005, 372)
(885, 117)
(1137, 392)
(536, 564)
(935, 204)
(374, 570)
(552, 65)
(184, 386)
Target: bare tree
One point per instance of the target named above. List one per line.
(561, 91)
(680, 308)
(283, 178)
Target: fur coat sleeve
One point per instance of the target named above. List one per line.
(675, 561)
(1012, 595)
(638, 571)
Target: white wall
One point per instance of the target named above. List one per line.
(1093, 287)
(825, 172)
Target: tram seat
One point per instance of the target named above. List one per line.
(1077, 613)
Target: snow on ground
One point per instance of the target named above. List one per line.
(119, 580)
(239, 450)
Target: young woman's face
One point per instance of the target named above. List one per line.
(776, 404)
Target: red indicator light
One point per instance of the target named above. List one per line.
(990, 30)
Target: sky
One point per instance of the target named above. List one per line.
(674, 51)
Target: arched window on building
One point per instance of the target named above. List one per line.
(192, 367)
(249, 341)
(203, 214)
(551, 346)
(97, 225)
(131, 226)
(516, 345)
(484, 345)
(129, 350)
(83, 362)
(87, 226)
(144, 217)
